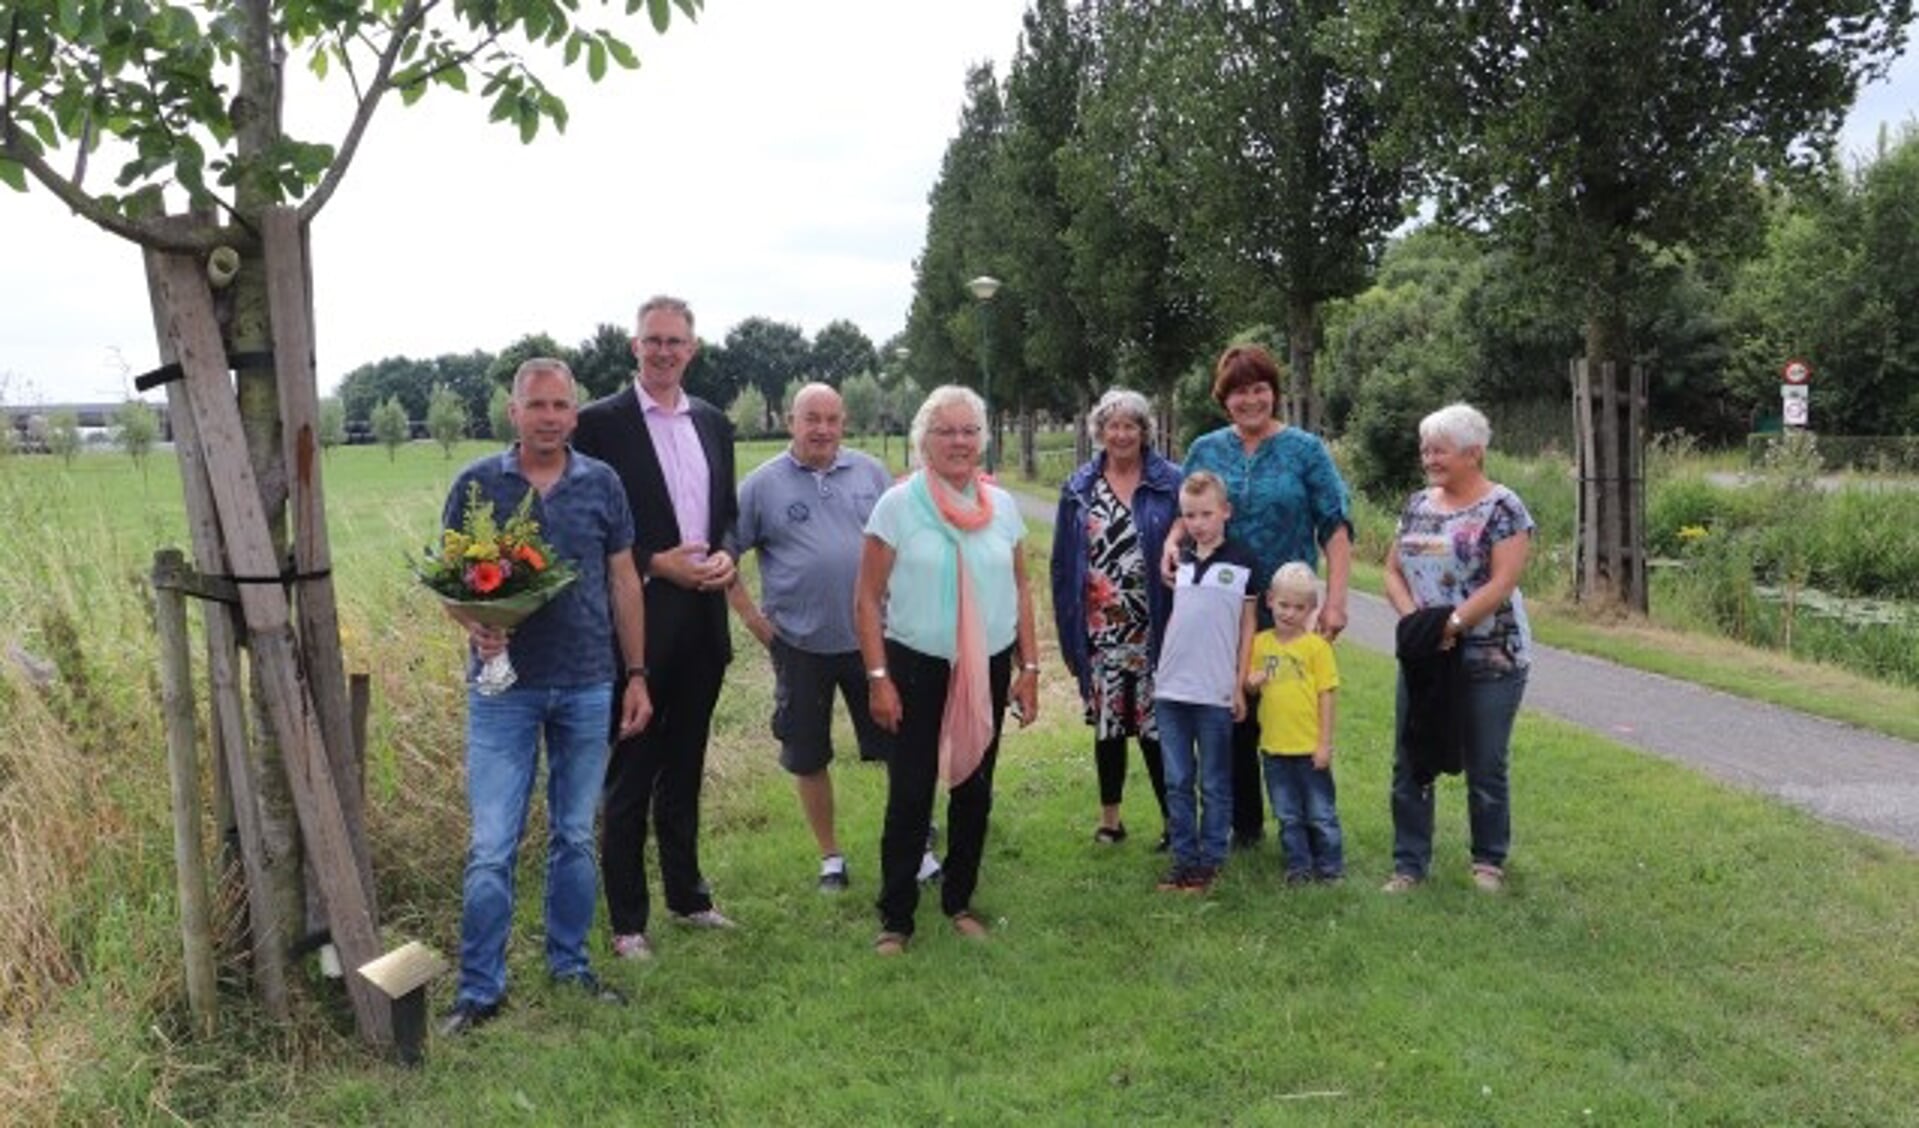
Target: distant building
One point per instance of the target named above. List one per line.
(94, 419)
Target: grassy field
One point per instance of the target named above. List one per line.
(1671, 951)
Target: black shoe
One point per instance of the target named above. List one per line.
(835, 880)
(1164, 844)
(467, 1015)
(590, 984)
(1110, 835)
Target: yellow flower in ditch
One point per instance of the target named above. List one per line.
(1692, 533)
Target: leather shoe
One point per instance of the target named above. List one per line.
(467, 1015)
(590, 983)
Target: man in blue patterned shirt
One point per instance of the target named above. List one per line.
(563, 656)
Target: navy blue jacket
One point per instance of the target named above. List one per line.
(1155, 507)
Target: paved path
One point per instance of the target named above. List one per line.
(1840, 773)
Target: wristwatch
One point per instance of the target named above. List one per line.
(876, 673)
(638, 672)
(1458, 624)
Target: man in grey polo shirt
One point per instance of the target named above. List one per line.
(804, 510)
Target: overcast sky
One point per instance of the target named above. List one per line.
(772, 159)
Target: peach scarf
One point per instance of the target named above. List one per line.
(966, 727)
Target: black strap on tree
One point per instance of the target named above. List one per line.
(168, 373)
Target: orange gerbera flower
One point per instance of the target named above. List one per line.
(530, 556)
(485, 576)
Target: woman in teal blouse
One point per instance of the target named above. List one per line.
(1289, 503)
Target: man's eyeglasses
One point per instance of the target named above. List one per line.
(659, 343)
(970, 431)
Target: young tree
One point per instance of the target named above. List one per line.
(862, 395)
(499, 420)
(332, 423)
(446, 419)
(136, 429)
(748, 413)
(390, 428)
(1592, 135)
(63, 435)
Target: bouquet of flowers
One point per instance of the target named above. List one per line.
(495, 574)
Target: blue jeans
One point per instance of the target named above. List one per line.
(502, 755)
(1492, 703)
(1197, 741)
(1304, 801)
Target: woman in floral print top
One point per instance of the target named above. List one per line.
(1462, 543)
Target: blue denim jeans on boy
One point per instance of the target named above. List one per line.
(1305, 802)
(1492, 703)
(502, 757)
(1196, 744)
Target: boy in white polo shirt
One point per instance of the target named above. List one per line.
(1202, 664)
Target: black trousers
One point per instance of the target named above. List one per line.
(658, 773)
(912, 777)
(1109, 757)
(1249, 784)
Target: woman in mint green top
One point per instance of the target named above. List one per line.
(943, 614)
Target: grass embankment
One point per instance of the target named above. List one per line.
(1670, 950)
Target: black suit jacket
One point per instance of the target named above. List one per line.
(613, 430)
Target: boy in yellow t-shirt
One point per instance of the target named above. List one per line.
(1296, 677)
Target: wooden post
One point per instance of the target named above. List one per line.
(183, 776)
(402, 976)
(195, 336)
(266, 922)
(319, 620)
(360, 703)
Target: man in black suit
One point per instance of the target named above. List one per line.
(674, 455)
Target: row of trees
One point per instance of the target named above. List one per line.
(759, 353)
(1152, 179)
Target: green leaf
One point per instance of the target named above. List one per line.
(71, 21)
(596, 60)
(14, 173)
(412, 92)
(691, 8)
(318, 64)
(574, 43)
(662, 13)
(454, 77)
(622, 54)
(529, 123)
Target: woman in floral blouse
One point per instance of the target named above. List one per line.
(1108, 601)
(1462, 544)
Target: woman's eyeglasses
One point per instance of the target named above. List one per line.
(970, 431)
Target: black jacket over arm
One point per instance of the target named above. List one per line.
(613, 430)
(1432, 729)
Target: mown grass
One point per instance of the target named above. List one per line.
(1671, 950)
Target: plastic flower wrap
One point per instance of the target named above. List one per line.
(495, 574)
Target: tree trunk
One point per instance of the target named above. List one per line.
(1028, 445)
(1302, 348)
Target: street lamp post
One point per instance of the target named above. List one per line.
(887, 397)
(983, 288)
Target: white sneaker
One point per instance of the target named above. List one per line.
(633, 946)
(705, 918)
(930, 868)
